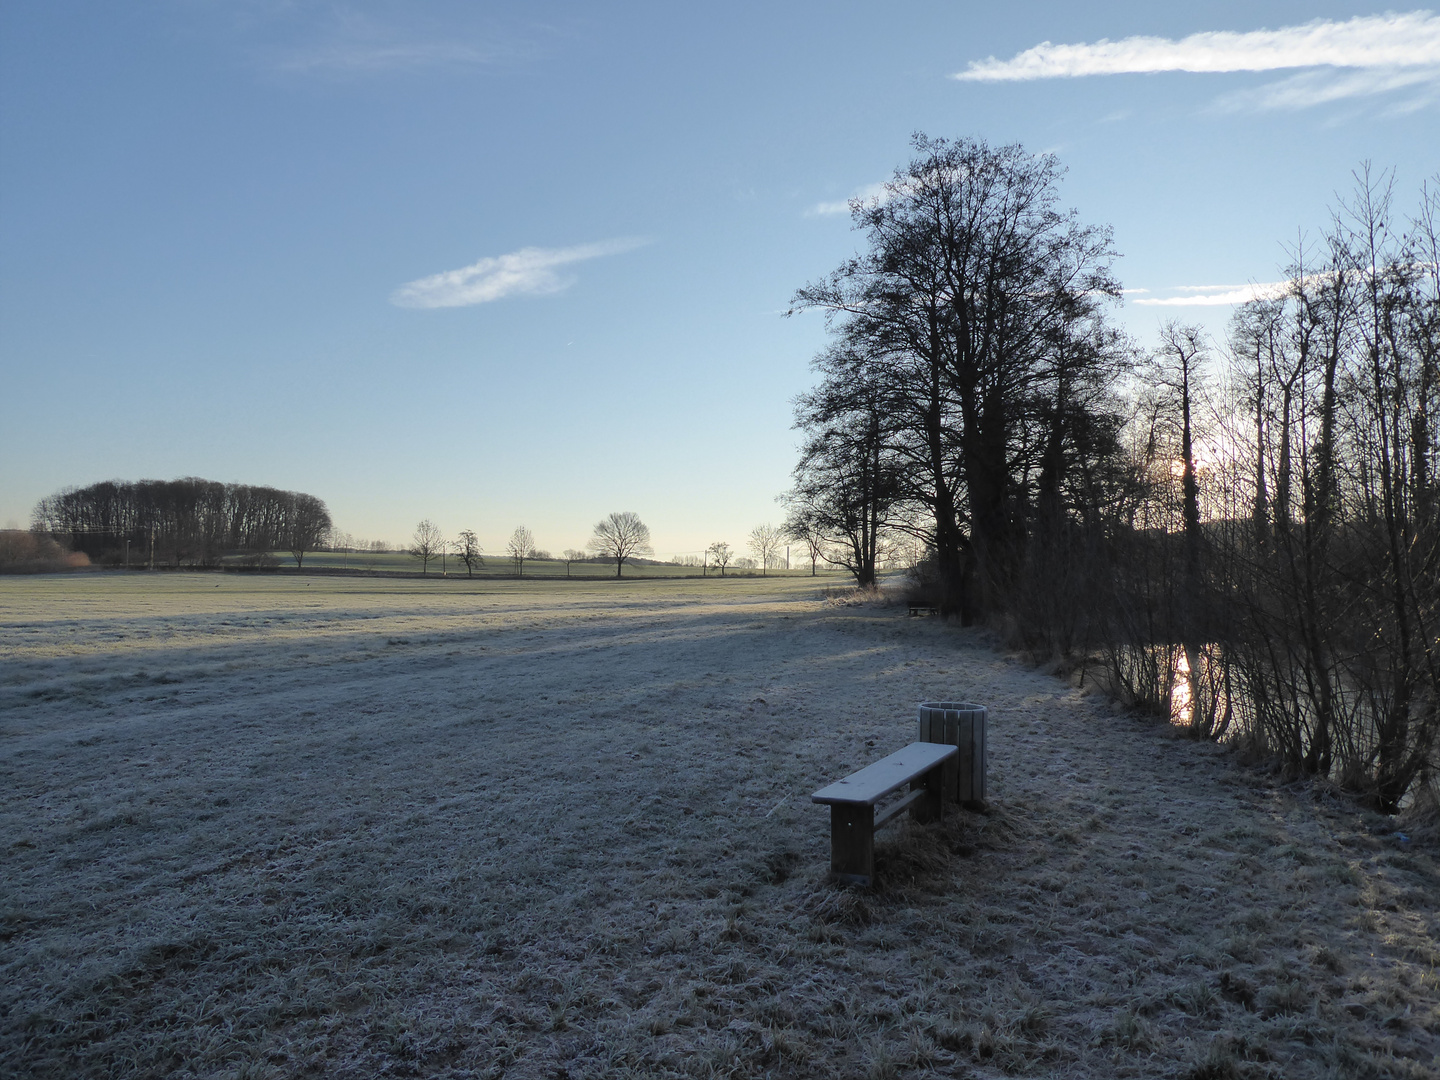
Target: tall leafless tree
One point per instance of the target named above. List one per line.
(621, 536)
(467, 547)
(519, 547)
(308, 525)
(720, 554)
(765, 541)
(1179, 368)
(850, 480)
(426, 544)
(802, 525)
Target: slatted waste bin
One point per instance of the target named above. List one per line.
(962, 724)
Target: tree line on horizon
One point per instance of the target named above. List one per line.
(1247, 531)
(184, 522)
(620, 537)
(198, 523)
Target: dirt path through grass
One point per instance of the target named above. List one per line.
(255, 827)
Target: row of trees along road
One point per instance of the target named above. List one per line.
(1247, 534)
(187, 522)
(619, 536)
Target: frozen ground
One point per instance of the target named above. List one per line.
(261, 826)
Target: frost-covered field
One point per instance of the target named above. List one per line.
(260, 826)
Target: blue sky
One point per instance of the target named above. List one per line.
(505, 264)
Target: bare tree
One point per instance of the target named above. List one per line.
(571, 555)
(468, 548)
(765, 541)
(427, 543)
(720, 555)
(849, 479)
(621, 536)
(803, 526)
(309, 525)
(519, 547)
(1178, 370)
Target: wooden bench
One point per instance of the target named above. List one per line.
(853, 819)
(920, 607)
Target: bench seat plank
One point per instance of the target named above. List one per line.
(874, 782)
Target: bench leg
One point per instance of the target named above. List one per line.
(932, 806)
(852, 843)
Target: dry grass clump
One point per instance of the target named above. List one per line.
(1420, 821)
(859, 596)
(362, 828)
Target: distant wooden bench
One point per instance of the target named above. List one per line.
(853, 819)
(921, 608)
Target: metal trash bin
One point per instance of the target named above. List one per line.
(962, 724)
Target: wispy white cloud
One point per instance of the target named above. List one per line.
(531, 271)
(1309, 88)
(875, 191)
(360, 58)
(1368, 41)
(1216, 295)
(347, 42)
(1375, 54)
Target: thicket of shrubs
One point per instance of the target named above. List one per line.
(24, 552)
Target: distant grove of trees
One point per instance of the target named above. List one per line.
(1254, 544)
(187, 522)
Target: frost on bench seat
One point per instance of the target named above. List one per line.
(853, 819)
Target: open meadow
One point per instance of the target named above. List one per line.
(268, 826)
(501, 566)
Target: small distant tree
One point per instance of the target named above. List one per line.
(765, 541)
(571, 555)
(621, 536)
(308, 526)
(468, 549)
(720, 555)
(803, 527)
(426, 544)
(519, 547)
